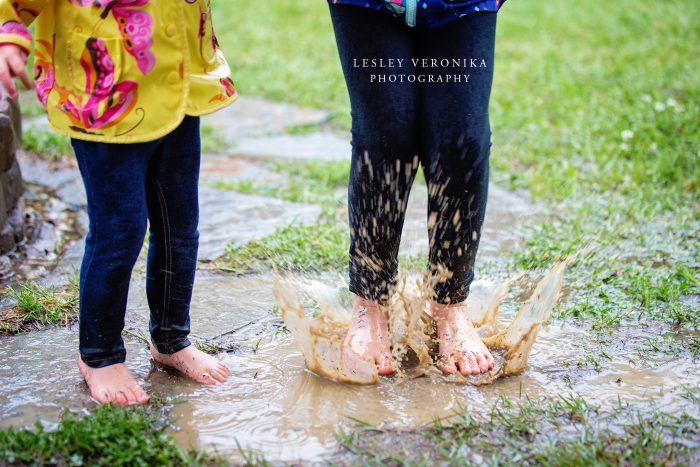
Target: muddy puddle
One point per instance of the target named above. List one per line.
(274, 405)
(315, 316)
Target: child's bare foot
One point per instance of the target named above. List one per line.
(112, 383)
(368, 335)
(194, 363)
(461, 348)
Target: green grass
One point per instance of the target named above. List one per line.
(30, 105)
(628, 269)
(284, 51)
(564, 431)
(108, 436)
(296, 247)
(595, 111)
(46, 143)
(38, 307)
(570, 84)
(316, 182)
(212, 140)
(212, 348)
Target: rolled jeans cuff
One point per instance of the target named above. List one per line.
(94, 361)
(171, 347)
(452, 291)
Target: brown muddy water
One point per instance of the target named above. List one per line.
(320, 327)
(272, 404)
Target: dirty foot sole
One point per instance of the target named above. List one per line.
(113, 383)
(195, 364)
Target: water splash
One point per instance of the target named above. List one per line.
(413, 340)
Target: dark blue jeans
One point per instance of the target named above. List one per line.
(129, 186)
(405, 119)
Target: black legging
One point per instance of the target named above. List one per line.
(402, 121)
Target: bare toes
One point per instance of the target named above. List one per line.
(483, 363)
(218, 375)
(209, 379)
(384, 365)
(447, 365)
(223, 368)
(462, 365)
(120, 398)
(142, 397)
(139, 395)
(102, 397)
(465, 364)
(131, 397)
(474, 363)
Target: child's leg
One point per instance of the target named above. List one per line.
(456, 140)
(114, 183)
(173, 211)
(384, 142)
(384, 163)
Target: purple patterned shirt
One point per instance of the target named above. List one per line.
(427, 13)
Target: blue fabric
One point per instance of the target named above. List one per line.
(426, 13)
(407, 118)
(128, 186)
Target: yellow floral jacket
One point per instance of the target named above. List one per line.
(121, 71)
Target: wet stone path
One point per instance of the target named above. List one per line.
(271, 404)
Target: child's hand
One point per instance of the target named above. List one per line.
(13, 64)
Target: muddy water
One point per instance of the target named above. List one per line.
(321, 336)
(275, 406)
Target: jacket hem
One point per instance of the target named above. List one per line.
(152, 136)
(125, 139)
(211, 109)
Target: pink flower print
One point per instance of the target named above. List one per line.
(44, 76)
(135, 27)
(107, 102)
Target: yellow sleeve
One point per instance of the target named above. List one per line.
(15, 16)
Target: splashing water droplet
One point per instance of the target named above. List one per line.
(412, 330)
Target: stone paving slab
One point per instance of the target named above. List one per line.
(220, 305)
(228, 216)
(40, 172)
(217, 168)
(313, 146)
(250, 117)
(225, 215)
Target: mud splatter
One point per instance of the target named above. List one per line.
(413, 340)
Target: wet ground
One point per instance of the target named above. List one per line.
(272, 404)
